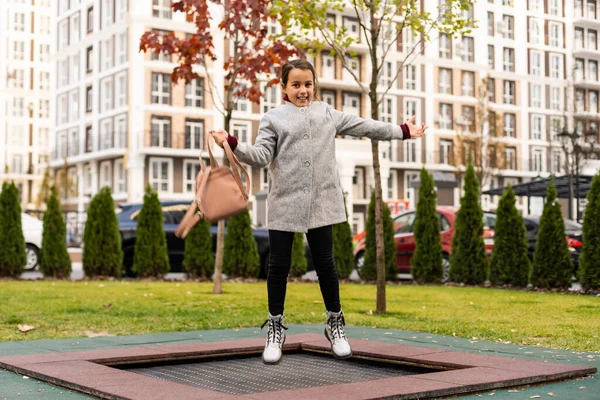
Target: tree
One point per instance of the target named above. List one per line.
(382, 25)
(150, 257)
(468, 263)
(198, 259)
(299, 264)
(426, 263)
(44, 193)
(589, 261)
(551, 259)
(102, 252)
(241, 257)
(510, 264)
(369, 270)
(55, 261)
(12, 251)
(342, 247)
(255, 54)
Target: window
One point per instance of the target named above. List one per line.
(271, 98)
(73, 142)
(17, 164)
(354, 65)
(17, 81)
(508, 24)
(593, 101)
(106, 94)
(386, 110)
(121, 89)
(119, 177)
(592, 70)
(352, 26)
(89, 59)
(89, 139)
(358, 183)
(556, 98)
(491, 90)
(161, 172)
(468, 79)
(18, 107)
(410, 39)
(410, 77)
(17, 137)
(509, 92)
(194, 134)
(557, 161)
(579, 38)
(74, 105)
(410, 108)
(579, 100)
(191, 169)
(468, 119)
(537, 127)
(121, 131)
(90, 20)
(490, 23)
(74, 33)
(75, 67)
(467, 49)
(536, 96)
(536, 5)
(556, 66)
(555, 7)
(19, 22)
(491, 56)
(556, 34)
(508, 59)
(194, 93)
(592, 39)
(62, 111)
(106, 133)
(591, 9)
(161, 8)
(241, 104)
(445, 46)
(108, 51)
(63, 34)
(446, 116)
(89, 98)
(351, 103)
(328, 65)
(241, 131)
(445, 81)
(87, 180)
(385, 77)
(122, 48)
(328, 97)
(43, 135)
(18, 50)
(536, 63)
(579, 69)
(510, 158)
(44, 52)
(535, 31)
(392, 189)
(161, 88)
(538, 159)
(161, 132)
(121, 10)
(446, 152)
(108, 13)
(509, 125)
(410, 151)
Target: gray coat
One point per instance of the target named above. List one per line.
(299, 143)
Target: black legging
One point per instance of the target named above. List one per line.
(320, 241)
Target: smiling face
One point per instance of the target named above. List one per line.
(300, 87)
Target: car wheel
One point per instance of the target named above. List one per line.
(33, 257)
(359, 261)
(446, 268)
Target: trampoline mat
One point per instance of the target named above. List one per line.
(248, 375)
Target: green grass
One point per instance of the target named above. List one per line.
(74, 309)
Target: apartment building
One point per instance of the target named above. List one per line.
(25, 48)
(119, 122)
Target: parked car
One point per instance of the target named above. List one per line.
(32, 232)
(405, 240)
(173, 212)
(573, 231)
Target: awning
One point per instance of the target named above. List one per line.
(539, 187)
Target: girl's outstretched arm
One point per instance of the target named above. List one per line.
(258, 155)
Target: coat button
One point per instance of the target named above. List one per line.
(306, 190)
(305, 136)
(306, 163)
(303, 110)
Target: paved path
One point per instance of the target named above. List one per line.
(13, 386)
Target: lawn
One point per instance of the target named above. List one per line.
(74, 309)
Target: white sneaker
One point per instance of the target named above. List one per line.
(334, 332)
(275, 339)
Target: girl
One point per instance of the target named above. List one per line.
(297, 139)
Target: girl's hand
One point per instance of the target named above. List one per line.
(220, 137)
(415, 131)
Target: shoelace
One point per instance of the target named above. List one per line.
(274, 331)
(337, 326)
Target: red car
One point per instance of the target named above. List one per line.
(405, 240)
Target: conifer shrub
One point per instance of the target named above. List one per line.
(198, 259)
(55, 261)
(468, 263)
(240, 253)
(426, 263)
(13, 256)
(342, 247)
(150, 257)
(102, 252)
(552, 266)
(299, 264)
(589, 261)
(510, 264)
(369, 269)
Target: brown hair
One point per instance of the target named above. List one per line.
(300, 64)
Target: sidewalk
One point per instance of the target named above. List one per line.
(13, 386)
